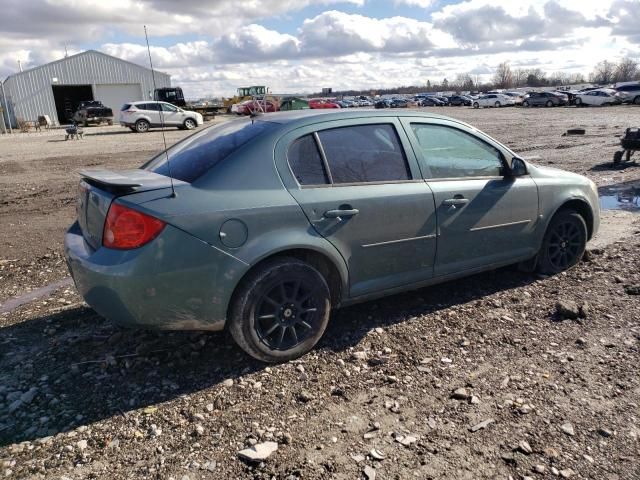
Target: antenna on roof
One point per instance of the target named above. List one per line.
(164, 139)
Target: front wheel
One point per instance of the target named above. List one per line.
(564, 242)
(280, 311)
(498, 105)
(476, 105)
(549, 103)
(190, 124)
(636, 101)
(525, 104)
(578, 102)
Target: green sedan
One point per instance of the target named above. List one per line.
(263, 225)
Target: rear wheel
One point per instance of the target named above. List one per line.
(564, 242)
(497, 104)
(190, 124)
(578, 102)
(476, 105)
(280, 311)
(636, 100)
(549, 103)
(526, 104)
(142, 126)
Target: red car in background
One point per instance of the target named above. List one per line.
(256, 106)
(322, 103)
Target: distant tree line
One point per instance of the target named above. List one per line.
(605, 72)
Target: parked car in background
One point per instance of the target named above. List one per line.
(444, 100)
(383, 103)
(93, 111)
(249, 107)
(268, 255)
(399, 103)
(431, 102)
(629, 93)
(319, 103)
(141, 116)
(517, 97)
(543, 99)
(600, 97)
(493, 100)
(460, 100)
(294, 103)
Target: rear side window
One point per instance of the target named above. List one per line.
(197, 154)
(306, 162)
(364, 153)
(126, 106)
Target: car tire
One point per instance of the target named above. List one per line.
(189, 124)
(142, 126)
(617, 157)
(526, 104)
(497, 105)
(280, 311)
(564, 242)
(549, 103)
(578, 102)
(636, 101)
(476, 105)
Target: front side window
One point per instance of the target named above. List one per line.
(168, 107)
(364, 153)
(306, 162)
(452, 153)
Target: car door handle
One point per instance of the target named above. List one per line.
(341, 213)
(455, 202)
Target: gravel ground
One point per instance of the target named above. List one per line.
(488, 377)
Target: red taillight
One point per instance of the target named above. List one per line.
(126, 228)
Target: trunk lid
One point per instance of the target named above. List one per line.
(98, 188)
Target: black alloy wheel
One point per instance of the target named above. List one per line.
(564, 242)
(280, 310)
(286, 314)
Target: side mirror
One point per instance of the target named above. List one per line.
(518, 167)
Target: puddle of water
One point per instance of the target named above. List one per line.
(622, 196)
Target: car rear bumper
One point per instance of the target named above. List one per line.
(176, 282)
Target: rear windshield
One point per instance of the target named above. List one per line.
(197, 154)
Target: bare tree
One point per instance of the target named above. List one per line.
(463, 81)
(603, 72)
(575, 78)
(519, 77)
(559, 78)
(626, 70)
(503, 78)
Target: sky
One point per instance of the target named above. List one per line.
(212, 47)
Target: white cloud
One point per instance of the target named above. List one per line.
(415, 3)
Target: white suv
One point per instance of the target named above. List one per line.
(141, 116)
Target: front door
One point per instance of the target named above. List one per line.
(484, 217)
(360, 187)
(172, 116)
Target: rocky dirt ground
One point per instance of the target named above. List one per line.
(487, 377)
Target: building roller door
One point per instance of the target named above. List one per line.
(116, 95)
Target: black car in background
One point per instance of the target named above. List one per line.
(431, 102)
(384, 103)
(460, 101)
(398, 103)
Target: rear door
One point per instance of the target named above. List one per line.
(484, 218)
(359, 185)
(151, 111)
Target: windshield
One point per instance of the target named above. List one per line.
(197, 154)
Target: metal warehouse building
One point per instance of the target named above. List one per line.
(55, 89)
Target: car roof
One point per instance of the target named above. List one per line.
(305, 117)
